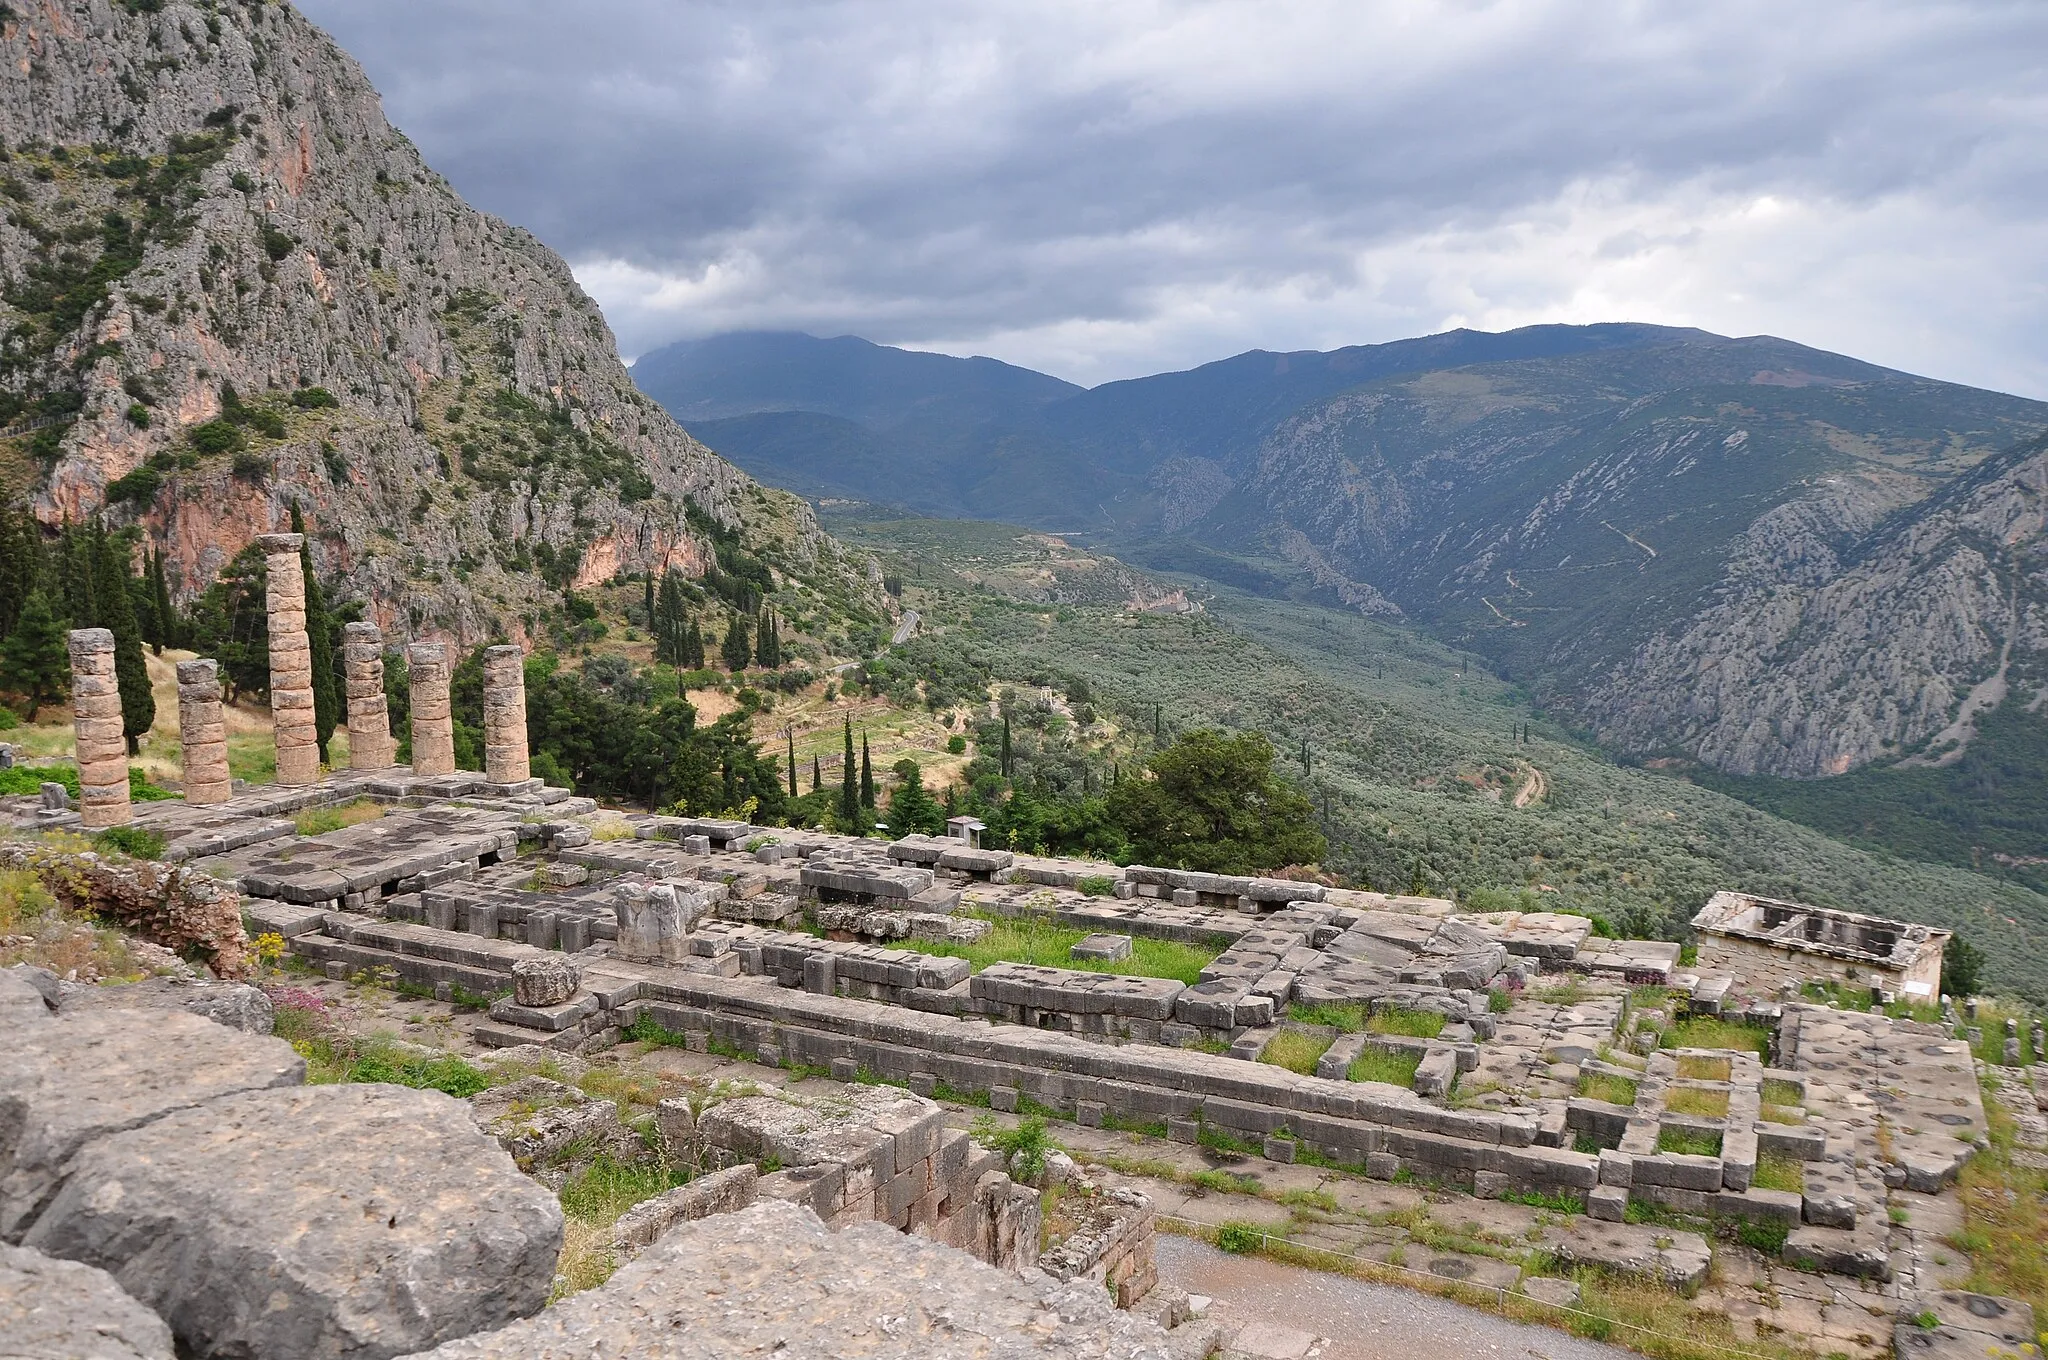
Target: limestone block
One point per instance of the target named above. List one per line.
(312, 1221)
(720, 1192)
(654, 921)
(65, 1084)
(96, 710)
(234, 1004)
(787, 1285)
(202, 733)
(505, 750)
(535, 1119)
(433, 726)
(1652, 1252)
(545, 982)
(369, 715)
(60, 1310)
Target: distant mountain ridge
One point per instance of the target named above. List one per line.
(1740, 550)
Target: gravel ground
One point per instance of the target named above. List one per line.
(1283, 1312)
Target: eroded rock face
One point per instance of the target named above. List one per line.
(770, 1280)
(80, 1078)
(314, 1221)
(60, 1310)
(234, 1004)
(319, 252)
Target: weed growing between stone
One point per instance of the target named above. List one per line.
(2005, 1216)
(1776, 1171)
(1013, 940)
(1706, 1031)
(1695, 1100)
(321, 820)
(1387, 1065)
(1296, 1050)
(1023, 1145)
(1689, 1142)
(1613, 1090)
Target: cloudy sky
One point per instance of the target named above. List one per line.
(1101, 190)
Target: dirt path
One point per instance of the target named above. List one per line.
(1282, 1312)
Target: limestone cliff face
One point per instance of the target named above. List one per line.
(1839, 637)
(205, 204)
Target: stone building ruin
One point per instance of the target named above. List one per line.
(1773, 945)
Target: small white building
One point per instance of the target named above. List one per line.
(967, 829)
(1766, 944)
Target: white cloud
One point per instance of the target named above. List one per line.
(1105, 190)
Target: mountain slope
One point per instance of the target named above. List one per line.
(209, 216)
(1629, 519)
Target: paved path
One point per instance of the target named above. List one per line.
(1283, 1312)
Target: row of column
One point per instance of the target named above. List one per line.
(103, 749)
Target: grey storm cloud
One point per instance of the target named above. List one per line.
(1102, 190)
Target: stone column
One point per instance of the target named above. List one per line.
(291, 663)
(433, 721)
(96, 718)
(369, 714)
(203, 733)
(505, 760)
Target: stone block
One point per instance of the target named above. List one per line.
(1278, 1149)
(1184, 1130)
(1382, 1166)
(845, 1069)
(61, 1310)
(1107, 948)
(1608, 1203)
(545, 982)
(1089, 1113)
(1490, 1184)
(1002, 1098)
(923, 1084)
(320, 1221)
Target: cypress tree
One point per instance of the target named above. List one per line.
(320, 641)
(166, 612)
(693, 647)
(115, 595)
(791, 734)
(21, 562)
(35, 660)
(849, 792)
(867, 776)
(734, 651)
(76, 567)
(651, 625)
(1003, 759)
(817, 775)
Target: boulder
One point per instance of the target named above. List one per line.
(771, 1280)
(545, 981)
(359, 1220)
(234, 1004)
(27, 993)
(61, 1310)
(82, 1077)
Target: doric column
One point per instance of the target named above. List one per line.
(433, 722)
(291, 663)
(369, 713)
(96, 718)
(505, 760)
(203, 733)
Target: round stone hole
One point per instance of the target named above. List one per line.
(1451, 1267)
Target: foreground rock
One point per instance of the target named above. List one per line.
(770, 1280)
(59, 1310)
(234, 1004)
(85, 1077)
(359, 1221)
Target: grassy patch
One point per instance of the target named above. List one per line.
(1047, 945)
(1706, 1031)
(1411, 1024)
(1567, 993)
(592, 1202)
(1694, 1100)
(1380, 1064)
(1704, 1069)
(1613, 1090)
(132, 841)
(1689, 1142)
(2005, 1218)
(1776, 1091)
(1296, 1050)
(321, 820)
(1776, 1171)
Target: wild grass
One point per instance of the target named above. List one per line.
(2005, 1217)
(1689, 1142)
(1705, 1069)
(1568, 993)
(1047, 945)
(592, 1202)
(1614, 1090)
(36, 929)
(318, 821)
(1696, 1101)
(1296, 1050)
(1412, 1024)
(1776, 1171)
(1781, 1114)
(1387, 1065)
(1706, 1031)
(1779, 1092)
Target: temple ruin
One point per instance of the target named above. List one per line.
(1773, 944)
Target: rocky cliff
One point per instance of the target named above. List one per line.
(231, 286)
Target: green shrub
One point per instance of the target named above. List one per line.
(138, 415)
(1024, 1146)
(1096, 885)
(9, 720)
(277, 244)
(132, 841)
(140, 485)
(1240, 1239)
(956, 744)
(448, 1074)
(313, 398)
(216, 436)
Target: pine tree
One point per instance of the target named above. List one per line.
(1157, 728)
(768, 641)
(35, 660)
(114, 594)
(910, 807)
(849, 791)
(320, 641)
(867, 777)
(693, 647)
(21, 565)
(1003, 759)
(734, 651)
